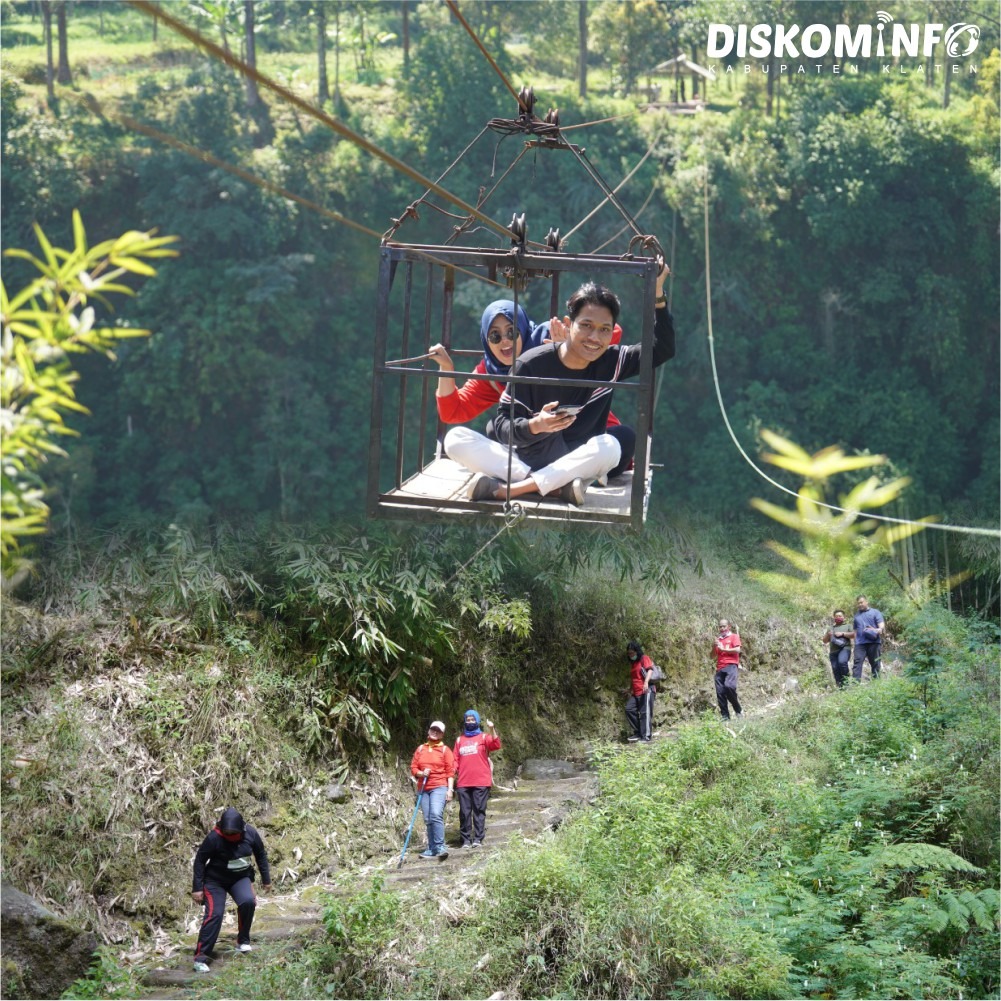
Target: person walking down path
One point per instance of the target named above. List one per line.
(224, 864)
(433, 768)
(869, 626)
(474, 776)
(639, 705)
(727, 650)
(839, 636)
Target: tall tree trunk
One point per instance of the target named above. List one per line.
(337, 52)
(770, 87)
(582, 48)
(250, 84)
(322, 88)
(405, 9)
(63, 75)
(947, 70)
(625, 58)
(50, 75)
(156, 26)
(256, 108)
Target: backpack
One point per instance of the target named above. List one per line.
(656, 675)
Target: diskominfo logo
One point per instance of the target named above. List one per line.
(815, 41)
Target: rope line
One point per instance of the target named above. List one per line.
(147, 130)
(454, 8)
(92, 104)
(411, 209)
(621, 184)
(603, 184)
(152, 10)
(641, 210)
(511, 518)
(960, 529)
(483, 198)
(598, 121)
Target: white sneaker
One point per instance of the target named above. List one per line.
(244, 947)
(201, 967)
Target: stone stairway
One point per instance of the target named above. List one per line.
(538, 799)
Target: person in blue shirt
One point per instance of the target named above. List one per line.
(869, 627)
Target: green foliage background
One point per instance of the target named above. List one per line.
(846, 848)
(855, 259)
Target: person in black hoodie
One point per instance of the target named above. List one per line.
(223, 865)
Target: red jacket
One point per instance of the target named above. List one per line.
(470, 400)
(437, 757)
(472, 759)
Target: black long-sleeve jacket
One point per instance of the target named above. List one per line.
(226, 862)
(618, 362)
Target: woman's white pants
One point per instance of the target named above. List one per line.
(480, 454)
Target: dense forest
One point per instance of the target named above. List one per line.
(852, 226)
(207, 617)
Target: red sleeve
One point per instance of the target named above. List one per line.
(449, 762)
(472, 399)
(415, 762)
(493, 742)
(455, 757)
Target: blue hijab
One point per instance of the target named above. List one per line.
(523, 323)
(472, 712)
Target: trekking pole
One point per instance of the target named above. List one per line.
(410, 829)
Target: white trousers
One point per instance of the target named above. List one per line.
(480, 454)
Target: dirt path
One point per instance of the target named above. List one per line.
(538, 800)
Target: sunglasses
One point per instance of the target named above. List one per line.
(495, 336)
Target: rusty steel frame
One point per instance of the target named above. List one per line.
(520, 267)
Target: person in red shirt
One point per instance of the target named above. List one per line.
(502, 342)
(639, 705)
(433, 768)
(474, 776)
(727, 650)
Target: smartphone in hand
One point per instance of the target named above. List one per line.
(566, 409)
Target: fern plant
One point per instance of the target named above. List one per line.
(837, 546)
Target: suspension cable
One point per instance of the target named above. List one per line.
(454, 8)
(604, 201)
(152, 10)
(411, 209)
(960, 529)
(600, 181)
(147, 130)
(619, 232)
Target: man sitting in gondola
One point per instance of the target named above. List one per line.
(559, 431)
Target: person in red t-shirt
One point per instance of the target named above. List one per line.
(727, 650)
(639, 705)
(433, 768)
(474, 776)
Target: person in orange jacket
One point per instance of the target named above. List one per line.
(433, 768)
